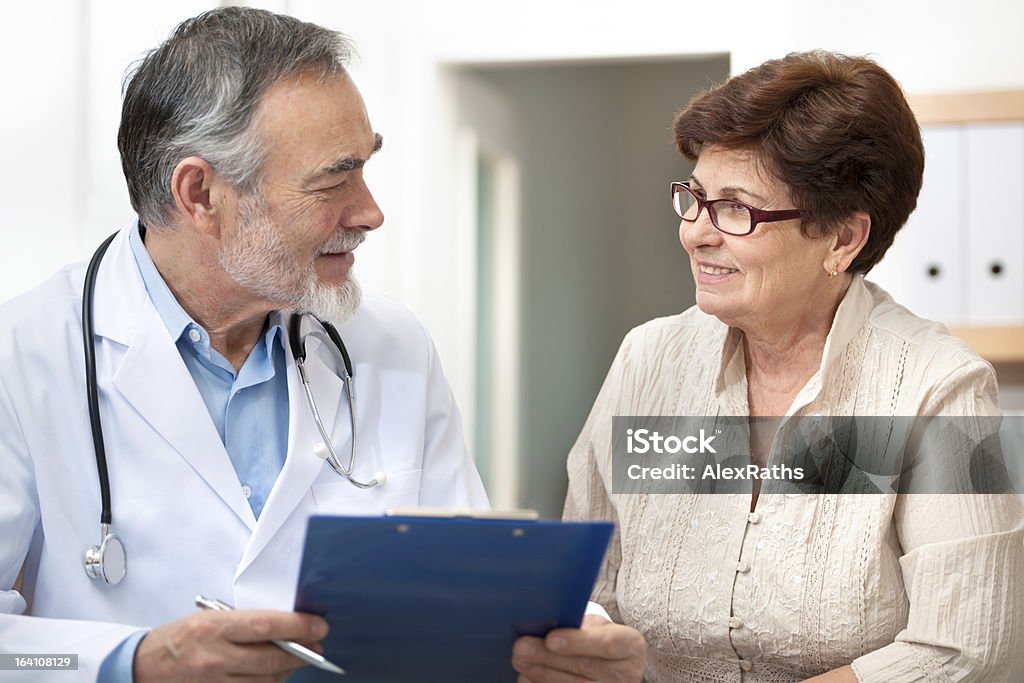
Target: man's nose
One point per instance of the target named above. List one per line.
(364, 213)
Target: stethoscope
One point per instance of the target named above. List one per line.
(108, 561)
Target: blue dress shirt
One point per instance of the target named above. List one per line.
(249, 407)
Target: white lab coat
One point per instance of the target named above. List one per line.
(176, 500)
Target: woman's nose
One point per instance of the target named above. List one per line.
(699, 233)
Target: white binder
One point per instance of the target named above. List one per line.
(995, 224)
(933, 242)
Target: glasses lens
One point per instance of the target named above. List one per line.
(731, 217)
(684, 203)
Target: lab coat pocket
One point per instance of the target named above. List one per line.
(402, 489)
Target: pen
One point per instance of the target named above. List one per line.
(300, 651)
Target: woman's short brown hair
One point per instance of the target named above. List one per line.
(835, 129)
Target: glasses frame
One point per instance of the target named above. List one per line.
(757, 216)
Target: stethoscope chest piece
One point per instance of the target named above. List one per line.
(107, 561)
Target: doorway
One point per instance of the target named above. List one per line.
(566, 167)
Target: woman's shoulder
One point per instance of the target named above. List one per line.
(893, 323)
(931, 371)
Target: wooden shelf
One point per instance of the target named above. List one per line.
(998, 345)
(995, 344)
(968, 107)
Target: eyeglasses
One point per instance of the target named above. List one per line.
(728, 215)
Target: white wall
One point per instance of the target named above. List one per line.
(929, 47)
(60, 183)
(61, 188)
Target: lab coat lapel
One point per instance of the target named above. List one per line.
(301, 467)
(151, 374)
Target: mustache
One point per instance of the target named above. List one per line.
(346, 240)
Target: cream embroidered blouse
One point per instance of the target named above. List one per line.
(907, 588)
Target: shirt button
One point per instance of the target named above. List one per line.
(194, 335)
(247, 492)
(735, 622)
(746, 664)
(754, 518)
(743, 566)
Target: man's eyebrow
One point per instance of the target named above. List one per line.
(349, 163)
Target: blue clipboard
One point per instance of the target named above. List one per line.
(441, 600)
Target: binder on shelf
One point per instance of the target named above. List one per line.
(995, 226)
(432, 599)
(934, 239)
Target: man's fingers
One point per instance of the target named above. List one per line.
(218, 645)
(259, 626)
(262, 658)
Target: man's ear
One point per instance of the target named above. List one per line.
(194, 186)
(848, 241)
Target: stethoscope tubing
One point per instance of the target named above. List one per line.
(298, 346)
(91, 391)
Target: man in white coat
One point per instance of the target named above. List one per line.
(243, 142)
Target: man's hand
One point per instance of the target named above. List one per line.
(598, 651)
(221, 646)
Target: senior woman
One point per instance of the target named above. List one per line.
(806, 167)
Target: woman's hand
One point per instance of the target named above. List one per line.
(598, 651)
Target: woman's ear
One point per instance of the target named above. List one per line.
(848, 241)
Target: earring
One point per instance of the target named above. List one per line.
(835, 270)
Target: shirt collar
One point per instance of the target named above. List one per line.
(853, 312)
(171, 312)
(175, 318)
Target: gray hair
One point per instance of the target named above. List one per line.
(197, 93)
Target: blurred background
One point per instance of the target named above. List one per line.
(525, 174)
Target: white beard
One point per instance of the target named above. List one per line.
(259, 259)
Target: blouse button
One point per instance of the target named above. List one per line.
(194, 335)
(754, 518)
(743, 566)
(735, 622)
(247, 492)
